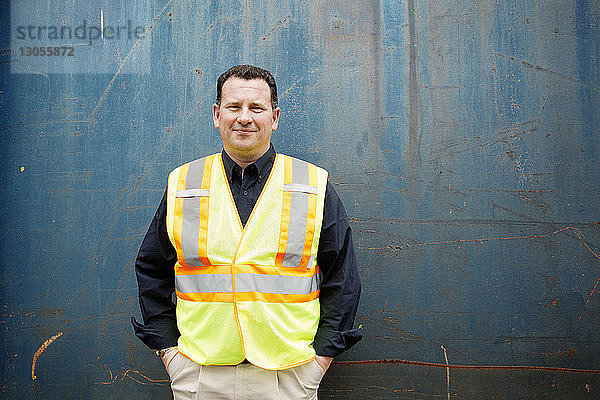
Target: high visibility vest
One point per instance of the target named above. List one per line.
(246, 292)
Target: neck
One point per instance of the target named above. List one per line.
(243, 161)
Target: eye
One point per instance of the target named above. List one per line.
(258, 109)
(233, 108)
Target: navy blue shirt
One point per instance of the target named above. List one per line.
(340, 287)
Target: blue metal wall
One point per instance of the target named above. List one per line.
(462, 135)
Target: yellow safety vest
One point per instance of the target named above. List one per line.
(247, 292)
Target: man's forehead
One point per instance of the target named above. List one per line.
(235, 83)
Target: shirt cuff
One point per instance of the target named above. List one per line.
(156, 336)
(334, 343)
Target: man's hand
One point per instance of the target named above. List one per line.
(168, 355)
(324, 362)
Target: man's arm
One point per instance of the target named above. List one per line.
(156, 283)
(340, 288)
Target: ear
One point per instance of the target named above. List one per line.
(216, 115)
(275, 121)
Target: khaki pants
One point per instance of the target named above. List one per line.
(191, 381)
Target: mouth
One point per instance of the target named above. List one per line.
(244, 131)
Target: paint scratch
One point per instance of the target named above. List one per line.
(277, 26)
(447, 372)
(542, 236)
(385, 305)
(139, 378)
(474, 367)
(590, 297)
(40, 351)
(112, 81)
(549, 71)
(578, 233)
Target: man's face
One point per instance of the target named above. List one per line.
(245, 118)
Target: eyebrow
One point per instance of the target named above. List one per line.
(257, 104)
(250, 104)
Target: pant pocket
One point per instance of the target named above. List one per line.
(175, 365)
(185, 377)
(310, 375)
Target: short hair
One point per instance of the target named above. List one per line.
(248, 72)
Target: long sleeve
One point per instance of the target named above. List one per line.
(156, 282)
(340, 287)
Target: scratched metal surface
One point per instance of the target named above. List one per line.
(463, 137)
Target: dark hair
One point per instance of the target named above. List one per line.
(248, 72)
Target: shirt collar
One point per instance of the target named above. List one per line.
(263, 164)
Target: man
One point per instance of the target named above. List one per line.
(247, 278)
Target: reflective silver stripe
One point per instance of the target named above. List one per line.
(193, 179)
(192, 193)
(297, 187)
(204, 283)
(296, 230)
(276, 283)
(299, 171)
(247, 282)
(298, 213)
(191, 214)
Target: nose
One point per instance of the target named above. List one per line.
(244, 116)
